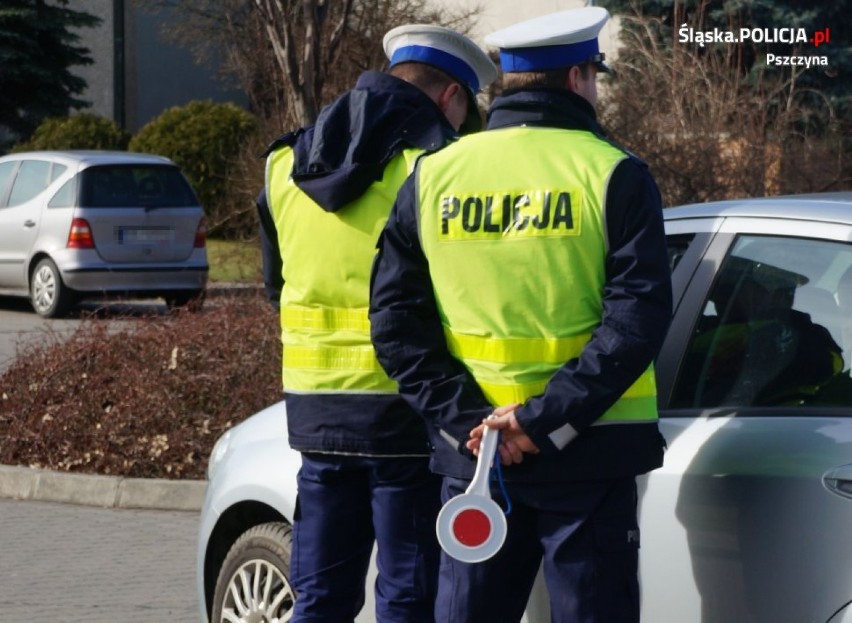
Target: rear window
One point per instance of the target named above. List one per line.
(150, 186)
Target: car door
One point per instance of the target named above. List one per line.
(748, 518)
(20, 215)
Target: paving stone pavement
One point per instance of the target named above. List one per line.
(82, 564)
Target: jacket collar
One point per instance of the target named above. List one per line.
(354, 137)
(546, 107)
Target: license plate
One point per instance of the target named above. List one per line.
(145, 235)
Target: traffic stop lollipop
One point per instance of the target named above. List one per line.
(472, 527)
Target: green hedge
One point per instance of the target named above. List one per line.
(205, 140)
(81, 131)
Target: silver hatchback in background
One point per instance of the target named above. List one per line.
(78, 224)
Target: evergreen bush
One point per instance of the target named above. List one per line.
(81, 131)
(206, 140)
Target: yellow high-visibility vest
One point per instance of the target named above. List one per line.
(516, 246)
(327, 258)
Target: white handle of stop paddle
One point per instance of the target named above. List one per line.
(487, 450)
(475, 502)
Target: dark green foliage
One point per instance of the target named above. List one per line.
(37, 50)
(145, 400)
(83, 131)
(206, 140)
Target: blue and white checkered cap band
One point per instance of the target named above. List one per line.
(547, 57)
(453, 65)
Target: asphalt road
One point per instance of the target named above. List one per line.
(21, 327)
(81, 564)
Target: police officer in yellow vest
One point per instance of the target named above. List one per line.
(329, 189)
(523, 274)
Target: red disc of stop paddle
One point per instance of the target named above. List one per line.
(472, 527)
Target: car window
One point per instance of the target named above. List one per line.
(776, 328)
(56, 170)
(134, 186)
(32, 178)
(7, 170)
(677, 246)
(64, 197)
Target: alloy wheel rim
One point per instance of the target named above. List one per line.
(44, 288)
(258, 593)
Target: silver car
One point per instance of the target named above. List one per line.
(749, 518)
(76, 224)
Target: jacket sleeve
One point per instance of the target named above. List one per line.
(273, 279)
(408, 335)
(637, 307)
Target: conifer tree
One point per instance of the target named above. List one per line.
(38, 48)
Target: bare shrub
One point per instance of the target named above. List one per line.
(291, 58)
(237, 217)
(713, 124)
(148, 401)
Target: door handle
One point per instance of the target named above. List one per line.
(29, 223)
(839, 480)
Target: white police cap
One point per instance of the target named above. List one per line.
(443, 48)
(556, 40)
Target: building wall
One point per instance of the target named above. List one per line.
(138, 72)
(161, 74)
(101, 44)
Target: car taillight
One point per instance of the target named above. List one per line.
(201, 234)
(80, 236)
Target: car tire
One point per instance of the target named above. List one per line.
(254, 581)
(49, 295)
(191, 300)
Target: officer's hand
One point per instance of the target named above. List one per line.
(514, 441)
(476, 433)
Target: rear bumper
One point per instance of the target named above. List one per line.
(148, 278)
(85, 271)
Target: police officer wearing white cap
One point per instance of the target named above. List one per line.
(523, 273)
(329, 188)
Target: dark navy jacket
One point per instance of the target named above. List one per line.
(336, 160)
(410, 343)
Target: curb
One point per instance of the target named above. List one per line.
(26, 483)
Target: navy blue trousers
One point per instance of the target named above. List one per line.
(344, 505)
(585, 534)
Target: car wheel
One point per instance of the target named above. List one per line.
(191, 300)
(254, 582)
(49, 296)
